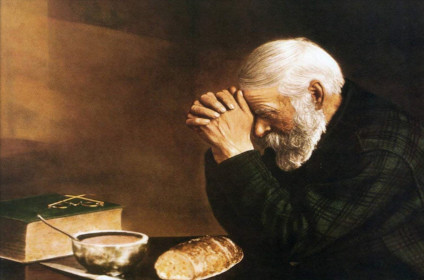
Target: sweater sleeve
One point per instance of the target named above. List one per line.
(248, 200)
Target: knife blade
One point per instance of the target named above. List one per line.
(78, 272)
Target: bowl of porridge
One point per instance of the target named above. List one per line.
(110, 252)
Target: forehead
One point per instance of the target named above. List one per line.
(266, 98)
(261, 95)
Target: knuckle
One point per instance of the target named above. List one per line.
(204, 98)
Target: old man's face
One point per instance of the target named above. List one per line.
(290, 126)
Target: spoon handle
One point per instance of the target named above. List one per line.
(53, 227)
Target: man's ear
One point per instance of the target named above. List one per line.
(317, 92)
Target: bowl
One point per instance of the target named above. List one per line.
(110, 252)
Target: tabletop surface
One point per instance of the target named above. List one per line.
(11, 270)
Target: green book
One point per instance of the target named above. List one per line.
(24, 238)
(26, 209)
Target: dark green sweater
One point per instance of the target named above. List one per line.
(356, 206)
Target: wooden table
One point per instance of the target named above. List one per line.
(35, 271)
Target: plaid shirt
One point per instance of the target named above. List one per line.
(359, 197)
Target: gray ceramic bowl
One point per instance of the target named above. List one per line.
(110, 252)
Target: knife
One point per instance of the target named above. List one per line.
(79, 272)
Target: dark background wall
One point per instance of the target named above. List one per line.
(94, 93)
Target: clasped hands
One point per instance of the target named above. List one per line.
(224, 121)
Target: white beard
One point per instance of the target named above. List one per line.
(296, 147)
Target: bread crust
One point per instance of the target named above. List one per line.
(208, 256)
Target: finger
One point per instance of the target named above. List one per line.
(193, 121)
(226, 98)
(201, 111)
(191, 116)
(210, 101)
(232, 90)
(242, 102)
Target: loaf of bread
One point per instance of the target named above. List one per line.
(198, 258)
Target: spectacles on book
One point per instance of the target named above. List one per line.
(70, 201)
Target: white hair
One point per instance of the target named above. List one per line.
(291, 65)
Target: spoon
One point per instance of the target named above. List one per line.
(59, 230)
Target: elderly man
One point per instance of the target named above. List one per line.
(335, 186)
